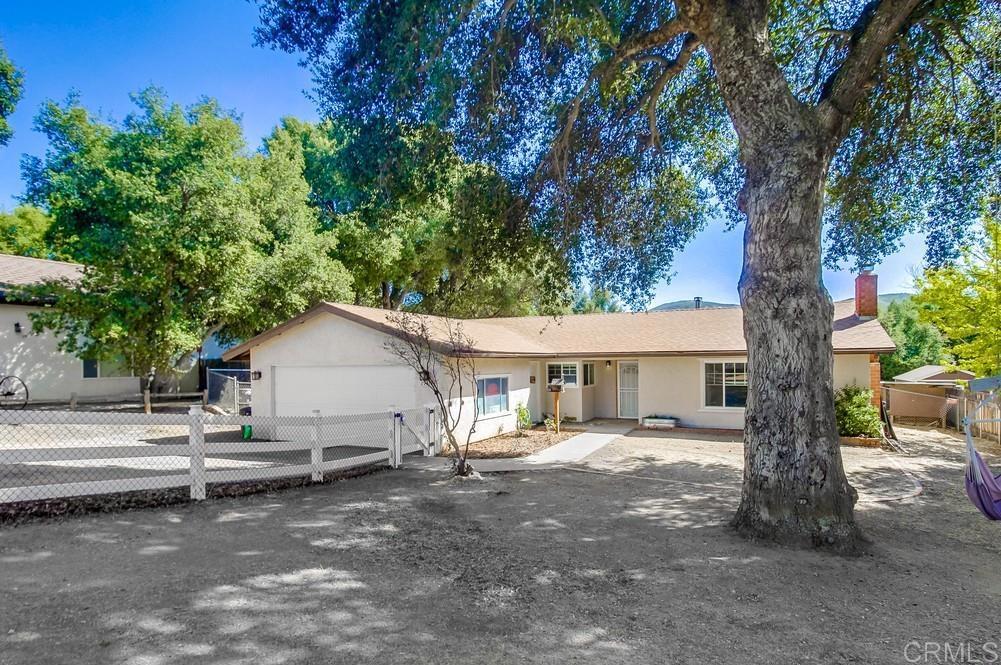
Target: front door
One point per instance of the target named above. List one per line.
(629, 389)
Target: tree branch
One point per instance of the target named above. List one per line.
(671, 70)
(629, 48)
(879, 24)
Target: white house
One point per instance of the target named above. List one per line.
(690, 364)
(49, 373)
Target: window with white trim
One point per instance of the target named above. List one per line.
(492, 395)
(565, 371)
(588, 374)
(725, 384)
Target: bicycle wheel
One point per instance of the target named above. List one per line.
(13, 393)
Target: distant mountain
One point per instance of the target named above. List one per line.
(884, 300)
(690, 304)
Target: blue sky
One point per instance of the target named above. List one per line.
(106, 50)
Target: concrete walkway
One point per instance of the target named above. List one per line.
(566, 452)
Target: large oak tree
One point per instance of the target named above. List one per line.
(628, 123)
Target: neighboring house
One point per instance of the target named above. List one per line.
(934, 374)
(690, 364)
(49, 373)
(924, 394)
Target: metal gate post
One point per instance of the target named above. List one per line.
(428, 429)
(393, 438)
(316, 448)
(196, 451)
(398, 438)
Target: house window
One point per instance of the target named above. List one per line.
(588, 374)
(565, 371)
(491, 395)
(726, 385)
(103, 369)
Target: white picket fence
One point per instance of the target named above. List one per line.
(55, 454)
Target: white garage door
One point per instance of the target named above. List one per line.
(343, 389)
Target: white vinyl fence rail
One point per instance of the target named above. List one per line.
(56, 454)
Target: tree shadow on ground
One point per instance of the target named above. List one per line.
(611, 563)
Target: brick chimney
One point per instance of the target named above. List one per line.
(866, 299)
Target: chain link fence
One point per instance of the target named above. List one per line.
(228, 390)
(59, 454)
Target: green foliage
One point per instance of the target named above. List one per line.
(22, 232)
(524, 417)
(183, 234)
(597, 300)
(607, 117)
(918, 343)
(418, 226)
(11, 84)
(855, 413)
(964, 300)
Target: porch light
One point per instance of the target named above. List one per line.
(255, 375)
(608, 363)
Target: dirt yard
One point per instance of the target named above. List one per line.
(627, 560)
(522, 444)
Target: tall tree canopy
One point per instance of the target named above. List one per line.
(625, 125)
(182, 233)
(596, 300)
(23, 231)
(918, 342)
(964, 301)
(418, 225)
(11, 83)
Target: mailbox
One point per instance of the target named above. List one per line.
(556, 386)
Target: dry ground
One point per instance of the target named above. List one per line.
(628, 560)
(516, 444)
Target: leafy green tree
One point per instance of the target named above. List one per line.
(294, 266)
(596, 300)
(11, 84)
(964, 301)
(22, 232)
(181, 231)
(625, 125)
(918, 343)
(418, 226)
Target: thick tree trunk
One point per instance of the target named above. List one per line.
(794, 489)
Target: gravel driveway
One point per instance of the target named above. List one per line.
(627, 561)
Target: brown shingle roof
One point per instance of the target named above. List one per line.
(677, 332)
(25, 271)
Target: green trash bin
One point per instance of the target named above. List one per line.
(247, 431)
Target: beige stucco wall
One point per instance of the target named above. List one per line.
(322, 340)
(667, 385)
(49, 373)
(328, 340)
(673, 386)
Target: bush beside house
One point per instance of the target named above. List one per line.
(856, 417)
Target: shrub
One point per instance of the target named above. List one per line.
(524, 417)
(855, 413)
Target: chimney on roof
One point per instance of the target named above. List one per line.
(866, 299)
(698, 302)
